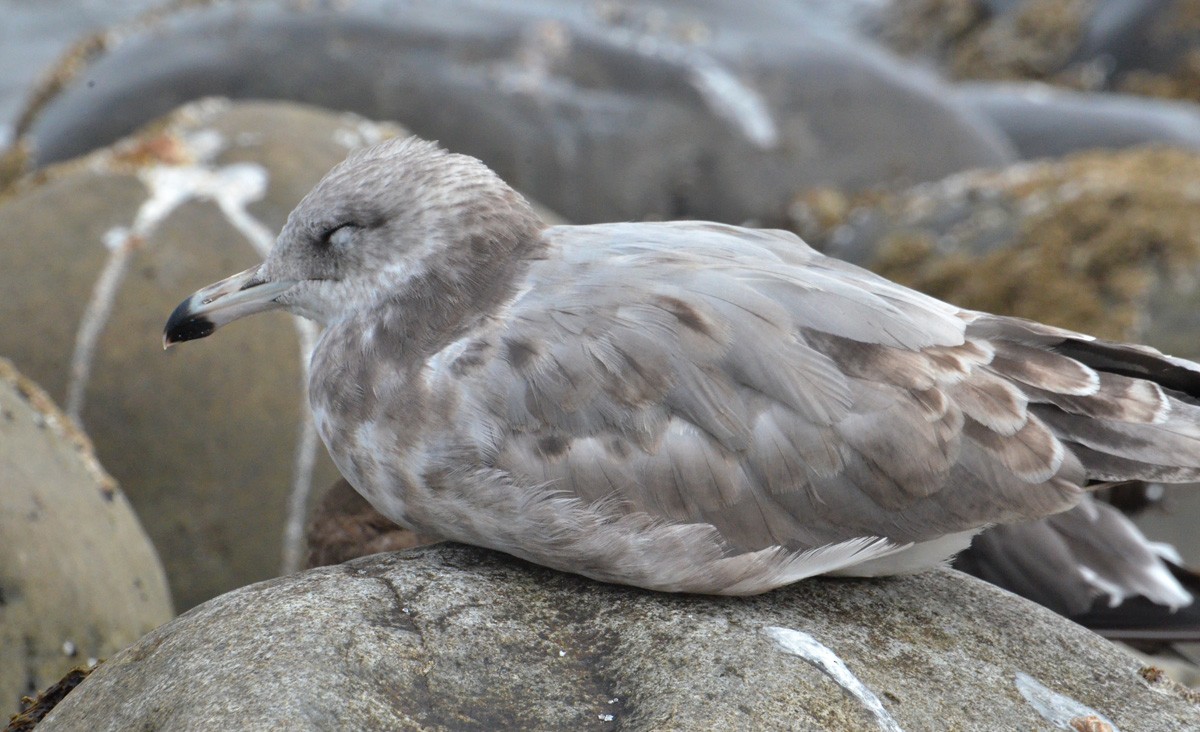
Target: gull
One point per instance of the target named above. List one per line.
(680, 406)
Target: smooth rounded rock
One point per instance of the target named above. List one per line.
(1044, 121)
(456, 638)
(602, 111)
(211, 446)
(79, 578)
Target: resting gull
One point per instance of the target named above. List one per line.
(682, 406)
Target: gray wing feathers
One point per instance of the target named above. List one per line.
(740, 380)
(1068, 560)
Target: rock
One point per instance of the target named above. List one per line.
(1044, 121)
(212, 448)
(33, 35)
(975, 39)
(453, 637)
(79, 578)
(344, 527)
(602, 111)
(1107, 243)
(1147, 48)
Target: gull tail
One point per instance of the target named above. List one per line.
(1126, 412)
(1143, 421)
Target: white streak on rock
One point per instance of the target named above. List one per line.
(1055, 708)
(232, 188)
(733, 100)
(248, 183)
(803, 645)
(120, 243)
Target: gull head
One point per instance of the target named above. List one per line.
(404, 216)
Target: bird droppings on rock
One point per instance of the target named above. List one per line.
(1059, 709)
(803, 645)
(212, 531)
(186, 176)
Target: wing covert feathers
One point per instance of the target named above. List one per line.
(734, 379)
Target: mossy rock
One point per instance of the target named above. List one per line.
(1147, 48)
(1107, 243)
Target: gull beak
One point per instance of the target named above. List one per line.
(234, 297)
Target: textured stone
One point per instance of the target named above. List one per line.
(205, 446)
(1150, 47)
(79, 578)
(452, 637)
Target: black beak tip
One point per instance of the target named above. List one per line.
(183, 326)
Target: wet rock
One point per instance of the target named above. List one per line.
(603, 111)
(214, 447)
(79, 578)
(453, 637)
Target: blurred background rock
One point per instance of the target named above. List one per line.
(79, 578)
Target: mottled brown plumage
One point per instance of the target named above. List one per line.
(683, 406)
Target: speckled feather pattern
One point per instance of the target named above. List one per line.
(688, 406)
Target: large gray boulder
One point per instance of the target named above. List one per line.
(456, 638)
(604, 111)
(79, 578)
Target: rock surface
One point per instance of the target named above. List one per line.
(1151, 47)
(79, 578)
(602, 111)
(1107, 243)
(131, 231)
(1042, 121)
(452, 637)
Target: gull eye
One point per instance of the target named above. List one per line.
(337, 236)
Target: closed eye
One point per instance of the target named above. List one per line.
(336, 235)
